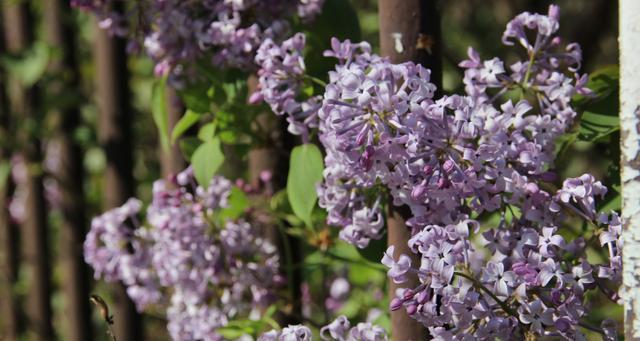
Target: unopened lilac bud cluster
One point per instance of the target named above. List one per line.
(282, 78)
(204, 272)
(338, 330)
(177, 33)
(452, 159)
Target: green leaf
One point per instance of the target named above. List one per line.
(231, 332)
(308, 90)
(187, 121)
(270, 311)
(365, 275)
(238, 203)
(234, 128)
(594, 126)
(305, 173)
(188, 146)
(349, 254)
(600, 117)
(160, 111)
(29, 66)
(279, 202)
(351, 308)
(231, 90)
(207, 132)
(196, 97)
(206, 161)
(602, 82)
(237, 328)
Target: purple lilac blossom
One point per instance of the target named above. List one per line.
(459, 156)
(177, 33)
(339, 290)
(205, 273)
(281, 81)
(339, 329)
(368, 106)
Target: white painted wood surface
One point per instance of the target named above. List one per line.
(630, 145)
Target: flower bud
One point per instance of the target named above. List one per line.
(395, 304)
(412, 309)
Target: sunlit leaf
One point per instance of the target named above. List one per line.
(207, 132)
(305, 173)
(160, 111)
(238, 203)
(206, 161)
(187, 121)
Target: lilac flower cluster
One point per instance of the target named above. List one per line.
(368, 109)
(204, 272)
(177, 33)
(17, 205)
(455, 158)
(339, 291)
(338, 330)
(282, 78)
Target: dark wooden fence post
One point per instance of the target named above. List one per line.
(409, 31)
(60, 32)
(18, 27)
(272, 156)
(114, 133)
(11, 325)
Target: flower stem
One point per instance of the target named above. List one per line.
(591, 328)
(315, 80)
(479, 285)
(532, 58)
